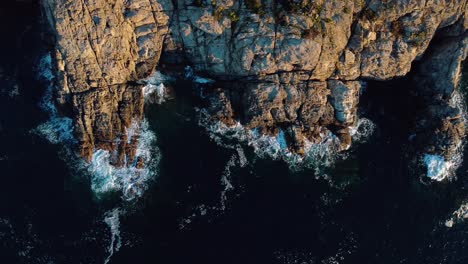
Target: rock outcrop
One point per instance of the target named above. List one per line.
(102, 47)
(298, 65)
(441, 124)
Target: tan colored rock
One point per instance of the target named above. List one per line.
(106, 42)
(300, 63)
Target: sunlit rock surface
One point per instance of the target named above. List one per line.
(295, 67)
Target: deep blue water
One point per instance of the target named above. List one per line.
(375, 209)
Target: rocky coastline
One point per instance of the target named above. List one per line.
(296, 66)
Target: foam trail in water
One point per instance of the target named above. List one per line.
(225, 180)
(111, 218)
(129, 179)
(458, 216)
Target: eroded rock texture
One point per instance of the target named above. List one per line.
(298, 65)
(103, 119)
(102, 46)
(441, 126)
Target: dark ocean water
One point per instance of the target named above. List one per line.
(373, 207)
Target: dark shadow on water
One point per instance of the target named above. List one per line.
(376, 208)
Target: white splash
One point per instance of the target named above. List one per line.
(437, 167)
(156, 78)
(323, 154)
(129, 179)
(458, 216)
(155, 93)
(362, 130)
(154, 90)
(111, 218)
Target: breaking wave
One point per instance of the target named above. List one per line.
(130, 179)
(154, 90)
(317, 155)
(438, 167)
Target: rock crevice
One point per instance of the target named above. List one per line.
(298, 65)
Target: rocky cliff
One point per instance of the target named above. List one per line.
(295, 65)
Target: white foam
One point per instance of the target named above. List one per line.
(154, 90)
(322, 154)
(242, 158)
(156, 78)
(129, 179)
(458, 216)
(57, 130)
(111, 218)
(155, 93)
(437, 167)
(362, 130)
(225, 180)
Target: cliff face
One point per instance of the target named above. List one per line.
(298, 65)
(101, 47)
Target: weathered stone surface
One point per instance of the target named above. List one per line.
(301, 109)
(105, 42)
(441, 126)
(103, 118)
(101, 47)
(300, 63)
(325, 39)
(344, 98)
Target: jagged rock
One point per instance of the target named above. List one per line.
(441, 125)
(101, 47)
(103, 119)
(302, 109)
(298, 64)
(105, 42)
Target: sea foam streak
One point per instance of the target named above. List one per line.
(111, 218)
(458, 216)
